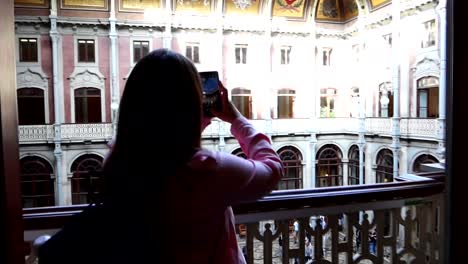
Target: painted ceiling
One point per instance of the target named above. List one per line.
(337, 11)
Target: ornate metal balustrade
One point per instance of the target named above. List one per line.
(399, 222)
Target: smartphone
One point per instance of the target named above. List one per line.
(211, 92)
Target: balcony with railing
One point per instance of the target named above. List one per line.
(398, 222)
(409, 127)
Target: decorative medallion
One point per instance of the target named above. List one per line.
(243, 4)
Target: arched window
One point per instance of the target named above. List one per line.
(31, 106)
(87, 105)
(286, 99)
(242, 99)
(292, 161)
(327, 102)
(329, 166)
(384, 170)
(353, 165)
(423, 159)
(385, 100)
(428, 97)
(86, 178)
(37, 186)
(238, 152)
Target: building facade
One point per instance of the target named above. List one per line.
(349, 91)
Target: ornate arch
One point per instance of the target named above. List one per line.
(37, 183)
(329, 169)
(420, 155)
(87, 78)
(86, 177)
(292, 160)
(30, 78)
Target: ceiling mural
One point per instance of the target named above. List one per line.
(328, 10)
(289, 8)
(378, 3)
(139, 4)
(242, 7)
(350, 9)
(336, 10)
(84, 4)
(37, 3)
(194, 6)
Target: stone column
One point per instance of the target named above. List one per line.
(115, 91)
(58, 114)
(345, 171)
(396, 85)
(167, 34)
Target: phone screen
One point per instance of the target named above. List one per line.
(211, 96)
(209, 82)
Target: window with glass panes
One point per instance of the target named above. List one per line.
(286, 98)
(140, 49)
(326, 56)
(285, 54)
(31, 109)
(428, 97)
(327, 102)
(292, 162)
(423, 159)
(37, 185)
(28, 49)
(329, 170)
(86, 179)
(384, 170)
(86, 50)
(192, 51)
(242, 99)
(385, 96)
(429, 39)
(241, 53)
(87, 105)
(353, 165)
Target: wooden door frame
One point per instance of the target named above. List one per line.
(11, 234)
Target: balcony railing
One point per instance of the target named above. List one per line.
(381, 223)
(409, 127)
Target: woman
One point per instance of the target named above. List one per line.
(161, 189)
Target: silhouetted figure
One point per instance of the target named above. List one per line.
(160, 187)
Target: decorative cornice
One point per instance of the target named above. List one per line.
(31, 78)
(86, 78)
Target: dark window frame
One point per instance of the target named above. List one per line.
(139, 50)
(28, 49)
(329, 158)
(192, 51)
(37, 184)
(86, 50)
(29, 98)
(86, 172)
(291, 158)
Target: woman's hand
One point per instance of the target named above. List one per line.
(228, 111)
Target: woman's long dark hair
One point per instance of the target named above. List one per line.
(159, 128)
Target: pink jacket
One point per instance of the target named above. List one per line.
(202, 195)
